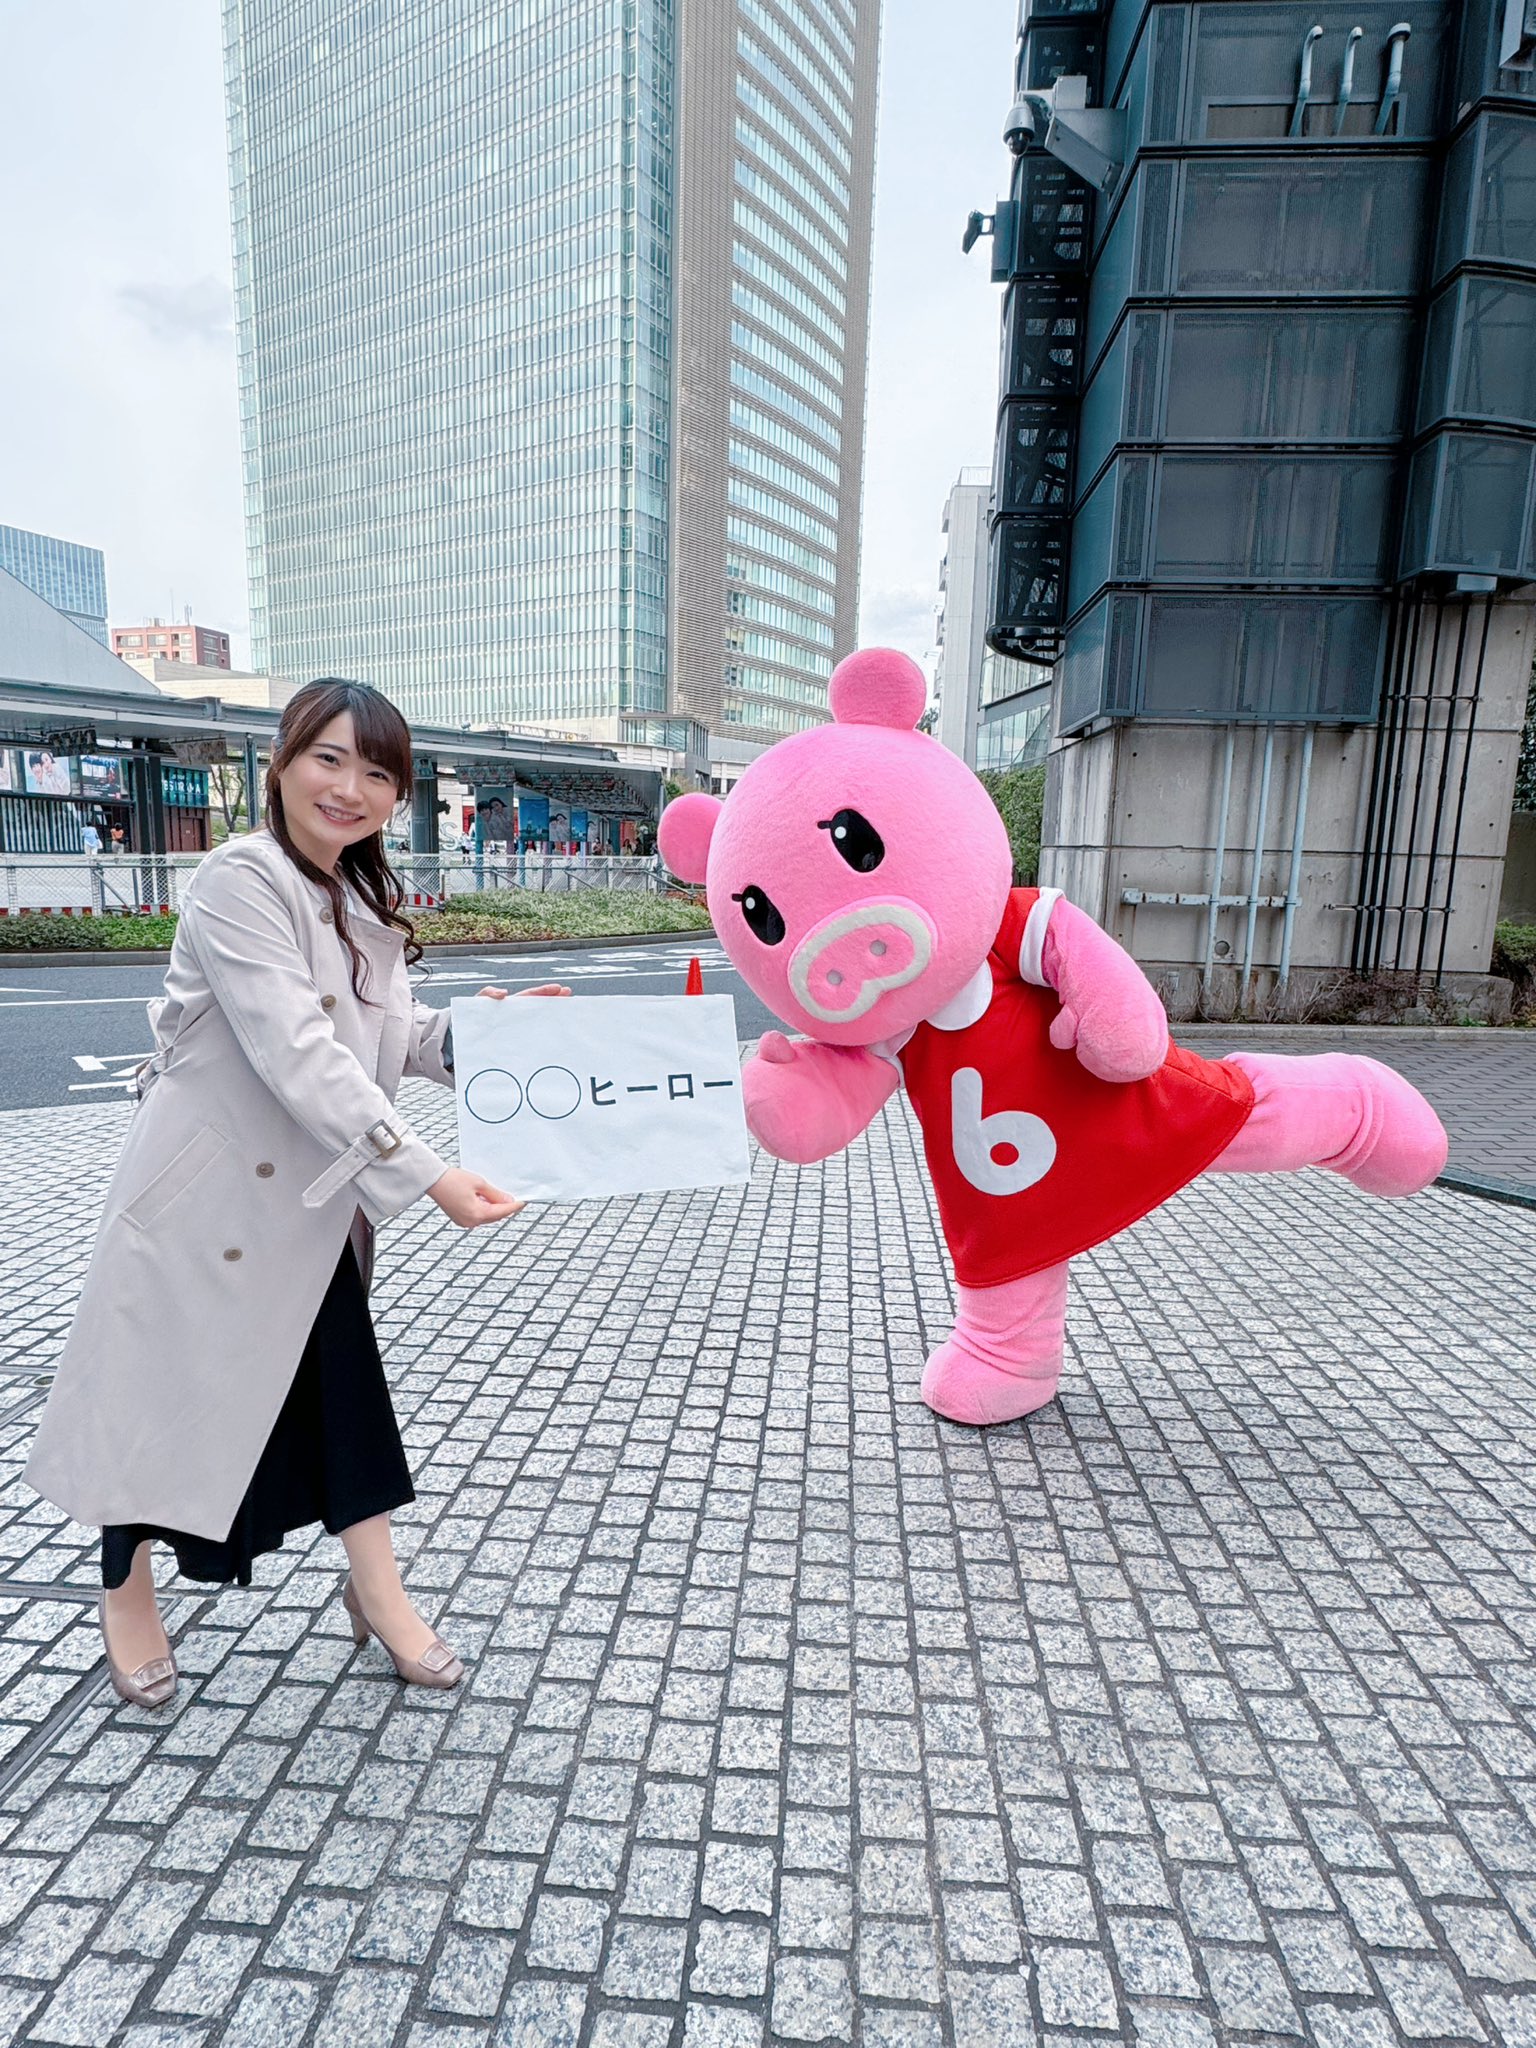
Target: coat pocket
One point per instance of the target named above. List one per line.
(174, 1177)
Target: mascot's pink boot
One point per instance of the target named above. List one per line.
(1054, 1108)
(1338, 1110)
(1003, 1357)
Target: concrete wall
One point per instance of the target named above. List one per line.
(1133, 806)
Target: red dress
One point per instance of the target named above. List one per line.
(1033, 1158)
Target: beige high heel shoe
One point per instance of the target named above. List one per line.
(436, 1666)
(152, 1684)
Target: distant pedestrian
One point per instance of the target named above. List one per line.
(90, 840)
(116, 837)
(222, 1385)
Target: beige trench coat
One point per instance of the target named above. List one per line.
(266, 1123)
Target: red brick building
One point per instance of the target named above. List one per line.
(158, 641)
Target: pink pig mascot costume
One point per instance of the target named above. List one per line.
(859, 878)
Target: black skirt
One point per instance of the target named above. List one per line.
(334, 1455)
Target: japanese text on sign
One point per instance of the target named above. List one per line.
(570, 1099)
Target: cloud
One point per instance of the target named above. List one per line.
(900, 617)
(196, 311)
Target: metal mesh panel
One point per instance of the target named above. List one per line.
(1506, 195)
(1042, 338)
(1034, 445)
(1028, 563)
(1093, 536)
(1296, 519)
(1080, 676)
(1292, 227)
(1152, 250)
(1288, 658)
(1496, 362)
(1132, 517)
(1146, 332)
(1165, 98)
(1288, 375)
(1485, 488)
(1070, 49)
(1053, 216)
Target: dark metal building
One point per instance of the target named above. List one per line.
(1265, 486)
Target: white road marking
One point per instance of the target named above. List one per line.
(27, 988)
(75, 1002)
(98, 1063)
(85, 1087)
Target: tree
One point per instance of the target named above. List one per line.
(1525, 773)
(1019, 794)
(226, 785)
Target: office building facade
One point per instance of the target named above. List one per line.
(72, 578)
(551, 344)
(993, 711)
(1265, 482)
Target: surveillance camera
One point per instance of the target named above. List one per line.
(1019, 128)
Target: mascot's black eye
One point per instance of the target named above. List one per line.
(763, 919)
(856, 840)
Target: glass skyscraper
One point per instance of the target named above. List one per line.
(72, 578)
(551, 339)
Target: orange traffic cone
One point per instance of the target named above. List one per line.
(695, 979)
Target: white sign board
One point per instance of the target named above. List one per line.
(575, 1098)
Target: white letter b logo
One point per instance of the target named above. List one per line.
(1001, 1154)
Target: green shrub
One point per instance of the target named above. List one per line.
(470, 921)
(582, 914)
(1019, 794)
(1514, 955)
(1516, 944)
(37, 932)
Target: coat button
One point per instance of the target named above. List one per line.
(234, 1253)
(266, 1170)
(327, 917)
(327, 1002)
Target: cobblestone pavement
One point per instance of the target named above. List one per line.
(1482, 1082)
(1194, 1711)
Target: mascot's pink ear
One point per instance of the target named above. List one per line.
(878, 686)
(686, 828)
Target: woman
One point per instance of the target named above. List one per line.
(221, 1384)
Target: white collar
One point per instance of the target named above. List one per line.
(969, 1006)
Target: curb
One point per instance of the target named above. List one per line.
(1520, 1194)
(1460, 1034)
(500, 948)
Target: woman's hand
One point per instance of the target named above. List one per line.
(548, 988)
(469, 1200)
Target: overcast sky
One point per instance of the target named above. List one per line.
(117, 398)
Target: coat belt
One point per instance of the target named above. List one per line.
(380, 1141)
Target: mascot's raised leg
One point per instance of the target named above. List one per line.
(1338, 1110)
(1003, 1357)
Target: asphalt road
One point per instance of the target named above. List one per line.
(74, 1034)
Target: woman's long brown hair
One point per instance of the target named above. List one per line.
(384, 741)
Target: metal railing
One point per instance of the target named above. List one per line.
(149, 884)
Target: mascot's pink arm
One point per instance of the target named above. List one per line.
(805, 1101)
(1110, 1012)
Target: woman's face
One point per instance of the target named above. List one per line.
(332, 796)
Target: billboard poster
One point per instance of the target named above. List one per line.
(532, 816)
(579, 827)
(493, 816)
(48, 774)
(101, 776)
(186, 789)
(559, 825)
(10, 769)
